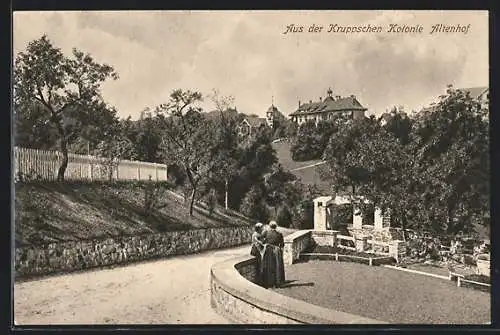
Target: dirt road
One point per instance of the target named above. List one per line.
(173, 290)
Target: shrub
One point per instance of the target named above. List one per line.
(253, 205)
(303, 215)
(284, 217)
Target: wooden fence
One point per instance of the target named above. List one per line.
(43, 165)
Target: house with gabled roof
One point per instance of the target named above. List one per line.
(250, 125)
(326, 108)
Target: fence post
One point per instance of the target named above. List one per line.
(139, 172)
(90, 167)
(156, 171)
(117, 169)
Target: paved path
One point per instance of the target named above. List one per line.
(173, 290)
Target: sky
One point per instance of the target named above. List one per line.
(246, 55)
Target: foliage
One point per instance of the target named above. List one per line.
(430, 170)
(153, 192)
(190, 140)
(277, 189)
(60, 90)
(253, 205)
(312, 139)
(284, 216)
(256, 157)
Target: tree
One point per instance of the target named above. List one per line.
(427, 179)
(189, 139)
(373, 165)
(312, 138)
(305, 146)
(146, 136)
(277, 187)
(256, 157)
(32, 129)
(64, 87)
(114, 147)
(227, 151)
(253, 204)
(452, 145)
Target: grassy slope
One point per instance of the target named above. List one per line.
(308, 175)
(50, 212)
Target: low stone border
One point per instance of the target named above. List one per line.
(416, 272)
(452, 276)
(377, 260)
(237, 298)
(461, 280)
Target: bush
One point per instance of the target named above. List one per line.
(211, 200)
(176, 175)
(253, 205)
(284, 217)
(303, 215)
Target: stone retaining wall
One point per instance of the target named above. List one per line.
(237, 298)
(69, 256)
(294, 244)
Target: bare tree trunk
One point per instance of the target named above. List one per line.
(191, 205)
(226, 196)
(64, 150)
(403, 226)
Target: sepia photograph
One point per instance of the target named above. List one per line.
(324, 167)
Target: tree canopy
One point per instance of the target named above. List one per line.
(64, 91)
(431, 170)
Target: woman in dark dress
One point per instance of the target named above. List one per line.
(257, 250)
(275, 241)
(266, 261)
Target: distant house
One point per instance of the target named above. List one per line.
(387, 116)
(250, 124)
(325, 109)
(480, 93)
(271, 115)
(228, 113)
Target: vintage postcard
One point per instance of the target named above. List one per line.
(251, 167)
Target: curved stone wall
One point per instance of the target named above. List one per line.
(237, 298)
(37, 260)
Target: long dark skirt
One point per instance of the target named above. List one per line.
(280, 266)
(268, 268)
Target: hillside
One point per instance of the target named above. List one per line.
(307, 171)
(51, 212)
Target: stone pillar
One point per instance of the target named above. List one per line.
(357, 219)
(397, 249)
(361, 243)
(288, 253)
(320, 212)
(378, 219)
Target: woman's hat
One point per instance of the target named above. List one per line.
(273, 224)
(258, 225)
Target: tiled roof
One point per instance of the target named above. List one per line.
(329, 105)
(230, 112)
(273, 109)
(475, 92)
(256, 121)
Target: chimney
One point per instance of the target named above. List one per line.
(299, 103)
(353, 96)
(337, 97)
(310, 101)
(320, 99)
